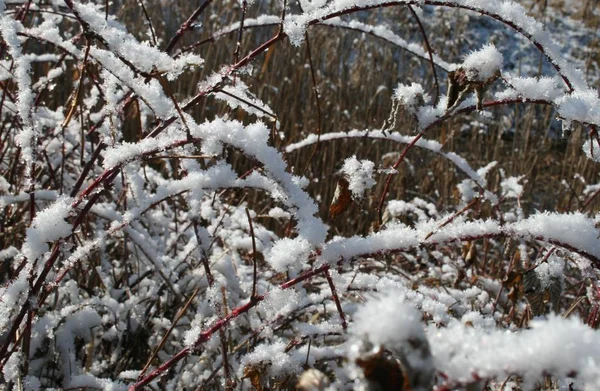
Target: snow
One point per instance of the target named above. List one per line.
(542, 88)
(49, 225)
(11, 369)
(430, 145)
(253, 140)
(145, 57)
(550, 271)
(556, 345)
(246, 101)
(397, 321)
(581, 105)
(410, 97)
(279, 213)
(511, 188)
(591, 148)
(90, 381)
(287, 253)
(399, 329)
(273, 354)
(386, 33)
(280, 302)
(26, 138)
(418, 285)
(573, 230)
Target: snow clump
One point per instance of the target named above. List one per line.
(483, 64)
(411, 97)
(359, 175)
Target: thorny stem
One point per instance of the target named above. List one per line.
(390, 176)
(202, 338)
(500, 18)
(223, 322)
(218, 307)
(109, 175)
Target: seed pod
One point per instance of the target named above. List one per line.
(384, 371)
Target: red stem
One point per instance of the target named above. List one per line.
(336, 299)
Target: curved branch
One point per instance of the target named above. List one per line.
(526, 26)
(380, 32)
(429, 145)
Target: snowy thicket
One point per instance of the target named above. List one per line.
(119, 272)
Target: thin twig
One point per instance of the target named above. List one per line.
(179, 315)
(238, 46)
(273, 116)
(186, 26)
(430, 53)
(316, 92)
(254, 274)
(152, 33)
(336, 299)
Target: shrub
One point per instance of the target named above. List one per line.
(172, 216)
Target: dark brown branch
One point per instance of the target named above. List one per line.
(152, 33)
(429, 52)
(318, 102)
(336, 299)
(254, 273)
(186, 25)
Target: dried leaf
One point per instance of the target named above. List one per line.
(341, 198)
(254, 373)
(470, 252)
